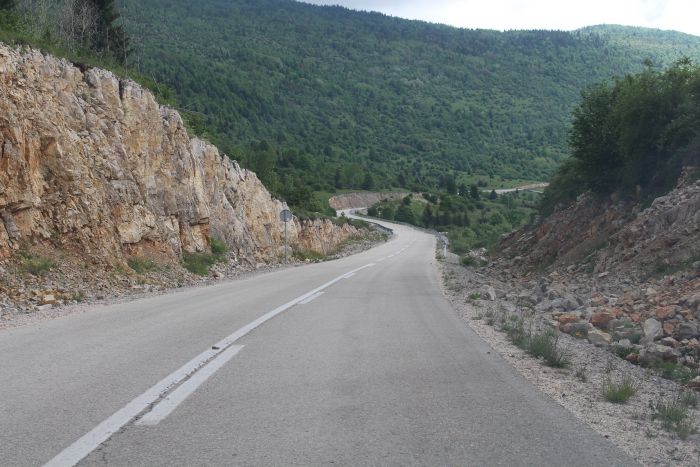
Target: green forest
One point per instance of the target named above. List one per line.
(319, 99)
(471, 216)
(632, 137)
(324, 98)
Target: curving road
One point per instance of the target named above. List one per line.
(359, 361)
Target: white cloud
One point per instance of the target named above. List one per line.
(681, 15)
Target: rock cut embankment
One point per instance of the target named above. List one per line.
(362, 199)
(91, 164)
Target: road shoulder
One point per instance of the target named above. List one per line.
(629, 426)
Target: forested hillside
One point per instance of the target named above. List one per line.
(347, 99)
(633, 137)
(323, 98)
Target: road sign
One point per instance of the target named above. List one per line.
(286, 215)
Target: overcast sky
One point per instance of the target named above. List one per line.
(680, 15)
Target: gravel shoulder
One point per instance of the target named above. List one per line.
(630, 426)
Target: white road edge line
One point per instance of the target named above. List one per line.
(102, 432)
(311, 298)
(175, 398)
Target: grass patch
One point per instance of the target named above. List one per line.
(619, 392)
(474, 296)
(218, 248)
(662, 269)
(674, 417)
(199, 263)
(623, 352)
(470, 261)
(545, 345)
(689, 399)
(516, 333)
(304, 255)
(141, 265)
(36, 265)
(674, 371)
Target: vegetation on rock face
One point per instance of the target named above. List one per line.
(199, 263)
(633, 136)
(141, 265)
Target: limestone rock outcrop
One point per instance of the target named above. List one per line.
(362, 199)
(92, 164)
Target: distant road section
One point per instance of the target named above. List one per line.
(530, 187)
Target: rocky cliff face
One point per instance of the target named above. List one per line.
(362, 199)
(91, 164)
(611, 235)
(623, 276)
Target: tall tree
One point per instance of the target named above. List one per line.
(368, 182)
(111, 39)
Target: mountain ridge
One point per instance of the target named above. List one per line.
(353, 93)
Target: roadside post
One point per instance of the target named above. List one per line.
(285, 216)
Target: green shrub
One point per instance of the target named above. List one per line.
(198, 263)
(516, 332)
(673, 416)
(688, 398)
(622, 352)
(619, 392)
(468, 261)
(674, 371)
(218, 248)
(37, 265)
(141, 265)
(303, 255)
(545, 345)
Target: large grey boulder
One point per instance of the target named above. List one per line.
(652, 329)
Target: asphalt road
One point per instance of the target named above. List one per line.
(375, 369)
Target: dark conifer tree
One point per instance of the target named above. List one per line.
(111, 37)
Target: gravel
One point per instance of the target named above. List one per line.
(629, 426)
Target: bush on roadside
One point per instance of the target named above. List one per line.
(310, 255)
(619, 392)
(199, 263)
(674, 416)
(218, 248)
(141, 265)
(545, 345)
